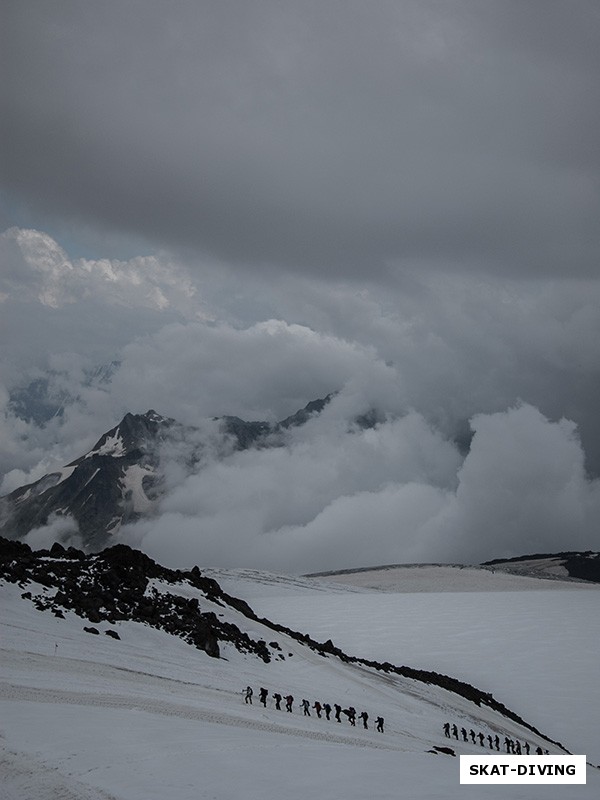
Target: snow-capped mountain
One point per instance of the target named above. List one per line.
(119, 479)
(115, 482)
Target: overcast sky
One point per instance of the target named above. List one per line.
(249, 204)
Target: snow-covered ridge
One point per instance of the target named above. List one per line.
(453, 578)
(92, 717)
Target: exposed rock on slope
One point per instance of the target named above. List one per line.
(116, 585)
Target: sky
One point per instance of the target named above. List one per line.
(239, 207)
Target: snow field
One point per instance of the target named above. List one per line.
(536, 651)
(151, 717)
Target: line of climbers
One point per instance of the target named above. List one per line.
(349, 712)
(512, 747)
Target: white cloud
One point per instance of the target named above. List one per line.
(265, 371)
(522, 489)
(36, 268)
(399, 493)
(59, 529)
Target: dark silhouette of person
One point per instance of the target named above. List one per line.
(518, 747)
(306, 706)
(472, 735)
(338, 711)
(264, 693)
(364, 716)
(248, 695)
(288, 703)
(481, 738)
(464, 734)
(455, 732)
(277, 698)
(352, 716)
(539, 751)
(447, 730)
(327, 709)
(379, 722)
(317, 708)
(491, 742)
(526, 747)
(507, 744)
(497, 742)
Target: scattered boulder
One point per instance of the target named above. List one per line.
(446, 750)
(95, 631)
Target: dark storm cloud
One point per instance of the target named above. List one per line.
(344, 137)
(245, 205)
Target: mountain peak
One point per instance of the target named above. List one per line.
(119, 479)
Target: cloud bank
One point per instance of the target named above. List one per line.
(400, 493)
(514, 365)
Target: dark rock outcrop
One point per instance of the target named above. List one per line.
(114, 586)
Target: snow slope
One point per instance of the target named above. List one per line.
(533, 643)
(85, 717)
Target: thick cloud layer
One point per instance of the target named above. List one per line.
(399, 493)
(350, 140)
(518, 360)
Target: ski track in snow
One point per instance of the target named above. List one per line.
(13, 693)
